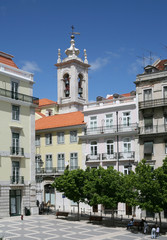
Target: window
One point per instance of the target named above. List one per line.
(15, 171)
(48, 112)
(93, 122)
(94, 148)
(148, 148)
(48, 139)
(37, 162)
(110, 147)
(60, 137)
(48, 162)
(126, 170)
(15, 112)
(73, 136)
(147, 94)
(61, 162)
(148, 123)
(109, 120)
(166, 147)
(126, 118)
(127, 145)
(15, 143)
(14, 90)
(165, 92)
(73, 161)
(37, 140)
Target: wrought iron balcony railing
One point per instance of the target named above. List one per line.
(91, 157)
(16, 180)
(106, 156)
(111, 129)
(16, 151)
(127, 155)
(153, 103)
(18, 96)
(54, 170)
(153, 129)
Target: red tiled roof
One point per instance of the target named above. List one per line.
(7, 59)
(60, 120)
(123, 95)
(45, 101)
(160, 65)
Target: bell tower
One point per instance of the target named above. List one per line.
(72, 79)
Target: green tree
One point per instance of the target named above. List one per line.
(150, 189)
(104, 186)
(71, 183)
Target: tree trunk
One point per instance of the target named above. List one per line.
(78, 211)
(159, 220)
(113, 217)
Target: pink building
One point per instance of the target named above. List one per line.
(111, 135)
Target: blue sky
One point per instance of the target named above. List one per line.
(116, 35)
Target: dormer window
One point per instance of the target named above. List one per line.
(66, 85)
(150, 69)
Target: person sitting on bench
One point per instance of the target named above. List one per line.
(130, 224)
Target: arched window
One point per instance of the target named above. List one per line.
(110, 147)
(66, 85)
(94, 148)
(80, 88)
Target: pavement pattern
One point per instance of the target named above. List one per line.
(49, 227)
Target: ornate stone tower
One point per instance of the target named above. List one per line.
(72, 80)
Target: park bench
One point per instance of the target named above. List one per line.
(95, 218)
(64, 214)
(136, 227)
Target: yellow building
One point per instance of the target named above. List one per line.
(17, 138)
(57, 145)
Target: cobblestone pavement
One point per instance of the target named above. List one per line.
(48, 227)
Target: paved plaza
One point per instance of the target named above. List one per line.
(49, 227)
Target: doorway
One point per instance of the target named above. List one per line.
(15, 202)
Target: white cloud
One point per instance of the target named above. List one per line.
(99, 63)
(30, 66)
(112, 54)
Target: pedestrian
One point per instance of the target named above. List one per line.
(145, 227)
(157, 231)
(153, 233)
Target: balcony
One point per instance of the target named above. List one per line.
(18, 96)
(111, 129)
(153, 103)
(154, 129)
(53, 170)
(126, 155)
(16, 151)
(17, 180)
(93, 158)
(109, 157)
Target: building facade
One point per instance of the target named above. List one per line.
(57, 146)
(111, 135)
(17, 138)
(151, 90)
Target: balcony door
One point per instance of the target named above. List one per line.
(15, 86)
(15, 143)
(147, 94)
(15, 172)
(49, 163)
